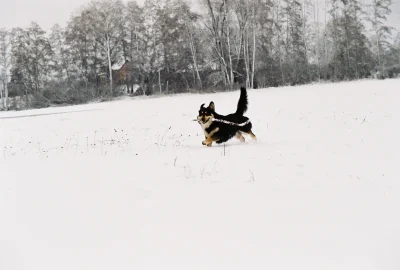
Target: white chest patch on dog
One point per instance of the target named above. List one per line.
(204, 127)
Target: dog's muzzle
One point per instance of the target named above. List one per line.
(203, 121)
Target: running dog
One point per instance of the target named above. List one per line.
(221, 128)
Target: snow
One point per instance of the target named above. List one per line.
(128, 184)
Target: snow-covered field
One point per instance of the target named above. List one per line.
(128, 184)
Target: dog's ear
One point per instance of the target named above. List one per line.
(202, 106)
(212, 106)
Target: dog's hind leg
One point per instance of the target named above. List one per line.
(252, 135)
(239, 136)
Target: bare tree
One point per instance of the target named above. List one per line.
(193, 50)
(380, 9)
(106, 23)
(58, 45)
(218, 13)
(134, 41)
(190, 20)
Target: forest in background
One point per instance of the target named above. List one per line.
(111, 47)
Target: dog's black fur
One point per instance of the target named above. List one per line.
(221, 132)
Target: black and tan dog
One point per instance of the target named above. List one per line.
(221, 128)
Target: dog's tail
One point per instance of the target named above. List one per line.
(242, 103)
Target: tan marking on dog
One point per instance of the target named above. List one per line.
(208, 141)
(210, 138)
(252, 135)
(206, 125)
(239, 136)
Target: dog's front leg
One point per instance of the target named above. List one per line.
(208, 141)
(210, 137)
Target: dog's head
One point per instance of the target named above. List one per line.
(206, 114)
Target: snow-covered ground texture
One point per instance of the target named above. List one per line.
(128, 184)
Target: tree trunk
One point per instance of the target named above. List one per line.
(159, 80)
(378, 42)
(279, 44)
(254, 59)
(1, 96)
(6, 95)
(325, 45)
(246, 57)
(109, 63)
(346, 30)
(230, 76)
(254, 48)
(304, 12)
(193, 50)
(318, 43)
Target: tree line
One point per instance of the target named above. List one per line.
(110, 47)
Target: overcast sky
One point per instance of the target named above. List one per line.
(48, 12)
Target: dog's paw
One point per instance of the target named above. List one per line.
(205, 142)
